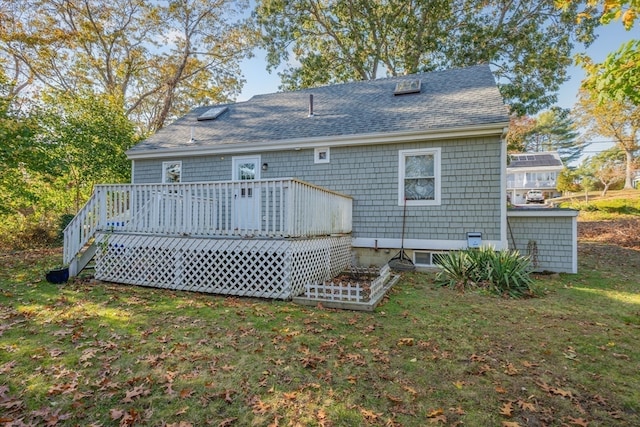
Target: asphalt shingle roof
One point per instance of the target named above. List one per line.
(448, 99)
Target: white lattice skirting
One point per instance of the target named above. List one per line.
(265, 268)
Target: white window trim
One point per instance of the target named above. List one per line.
(236, 159)
(402, 154)
(316, 155)
(164, 171)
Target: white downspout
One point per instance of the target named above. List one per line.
(503, 190)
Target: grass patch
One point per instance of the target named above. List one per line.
(103, 354)
(614, 205)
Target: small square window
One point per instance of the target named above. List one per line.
(321, 155)
(171, 172)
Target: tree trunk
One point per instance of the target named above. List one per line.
(628, 177)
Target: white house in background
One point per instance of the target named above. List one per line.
(533, 171)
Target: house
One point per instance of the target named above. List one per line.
(533, 171)
(266, 196)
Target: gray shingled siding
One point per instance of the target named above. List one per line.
(551, 236)
(470, 185)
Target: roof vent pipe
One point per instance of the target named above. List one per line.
(310, 105)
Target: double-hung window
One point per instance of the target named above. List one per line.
(419, 177)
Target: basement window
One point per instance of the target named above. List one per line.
(427, 259)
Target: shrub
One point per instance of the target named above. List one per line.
(504, 273)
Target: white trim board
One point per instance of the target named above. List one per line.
(296, 144)
(418, 244)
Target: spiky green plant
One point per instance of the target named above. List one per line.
(504, 273)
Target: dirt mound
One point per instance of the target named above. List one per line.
(621, 232)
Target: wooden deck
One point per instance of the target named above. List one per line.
(263, 238)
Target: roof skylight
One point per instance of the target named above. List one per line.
(212, 113)
(407, 86)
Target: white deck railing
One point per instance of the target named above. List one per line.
(260, 208)
(517, 184)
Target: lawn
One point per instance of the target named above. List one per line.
(91, 353)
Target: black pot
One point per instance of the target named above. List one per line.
(57, 276)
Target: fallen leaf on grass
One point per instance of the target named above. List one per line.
(457, 411)
(226, 395)
(370, 415)
(410, 390)
(620, 356)
(227, 422)
(510, 424)
(435, 413)
(54, 352)
(185, 393)
(182, 411)
(135, 393)
(290, 396)
(581, 422)
(394, 399)
(526, 406)
(507, 409)
(439, 419)
(261, 408)
(553, 390)
(405, 342)
(5, 368)
(511, 370)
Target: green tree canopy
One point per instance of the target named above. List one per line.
(618, 76)
(16, 130)
(528, 44)
(84, 138)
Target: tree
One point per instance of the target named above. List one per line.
(608, 167)
(528, 44)
(618, 77)
(618, 121)
(587, 180)
(85, 137)
(624, 10)
(568, 181)
(15, 129)
(551, 130)
(142, 51)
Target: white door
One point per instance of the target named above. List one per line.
(246, 192)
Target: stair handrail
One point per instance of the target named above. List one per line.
(82, 228)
